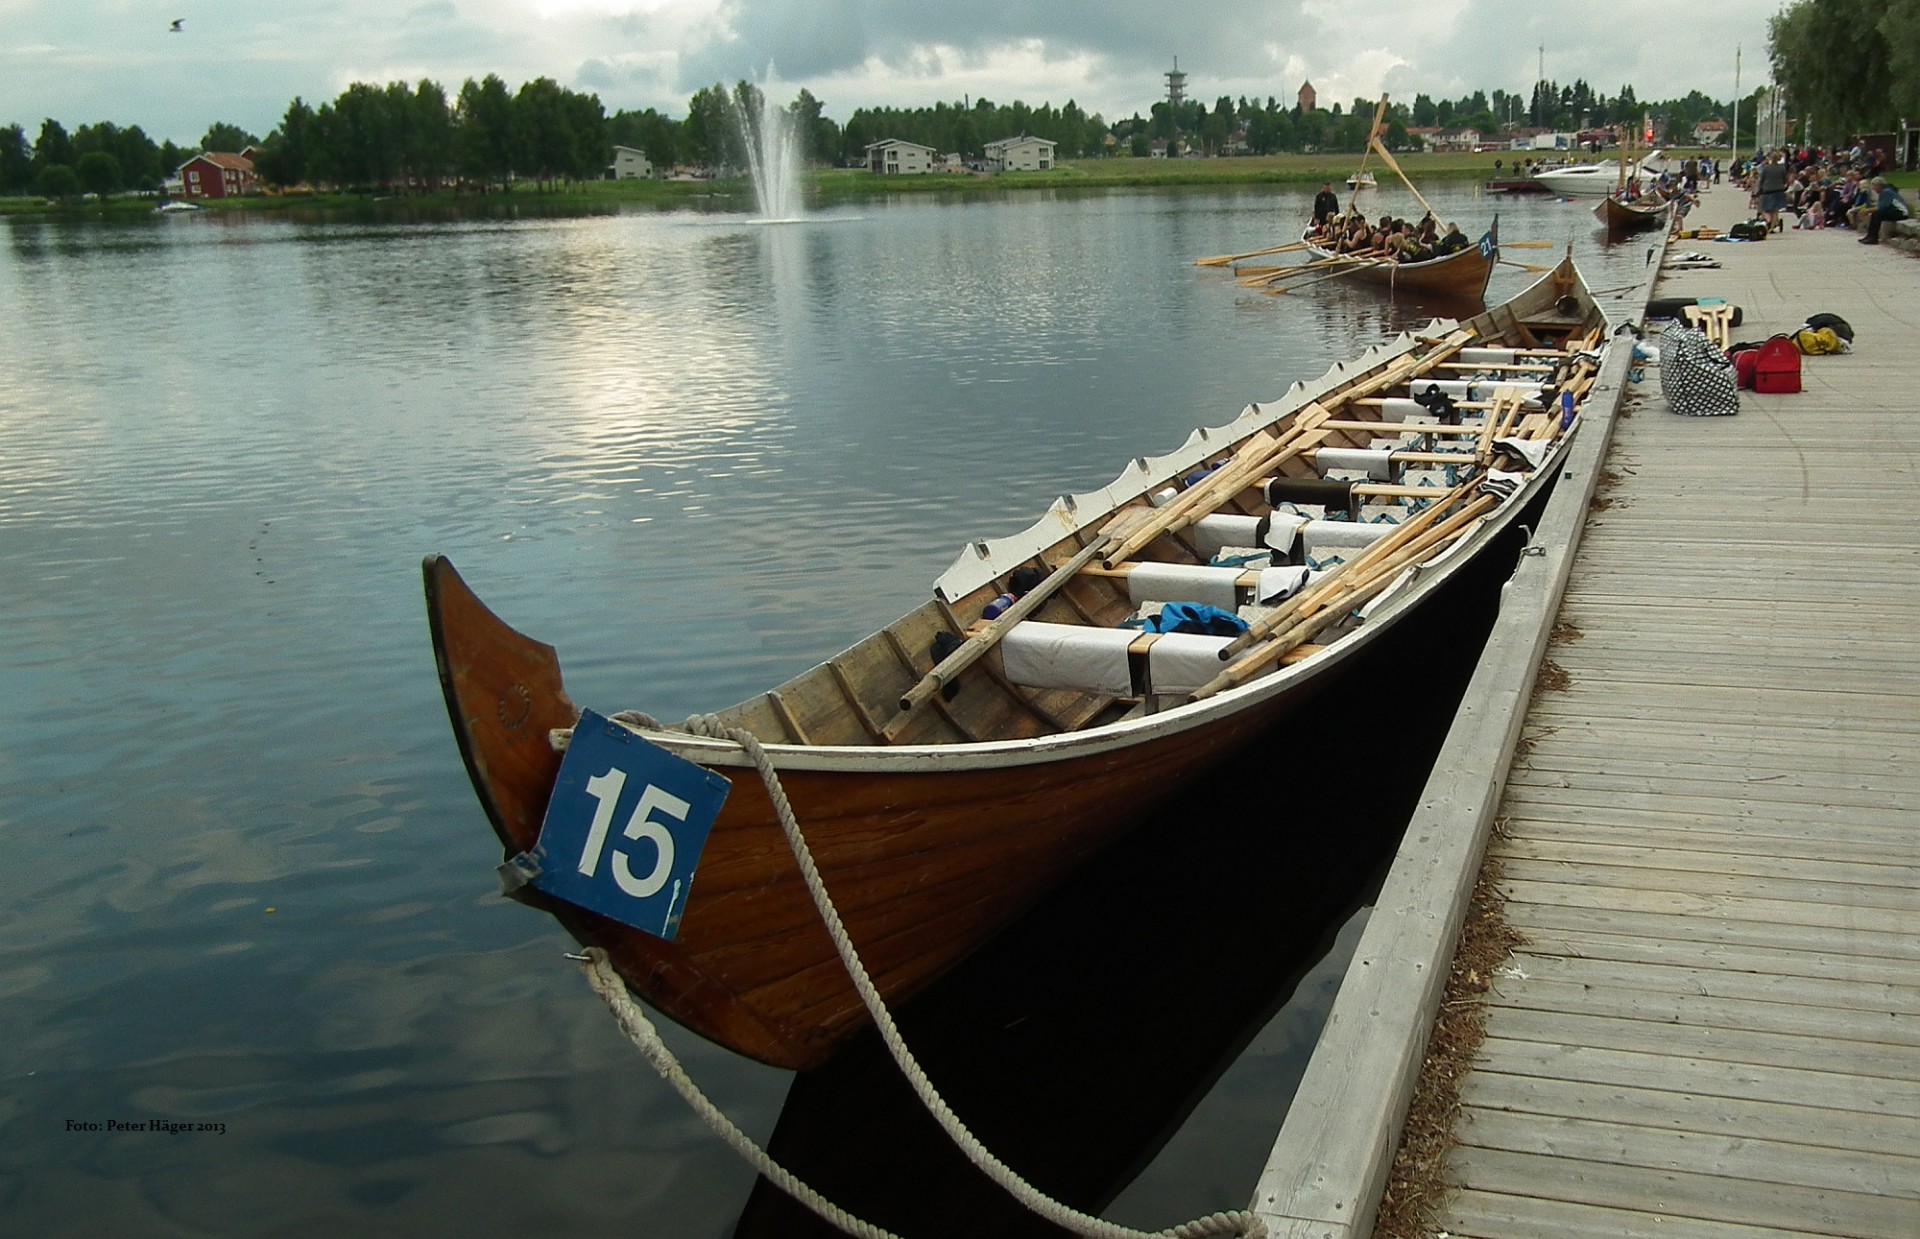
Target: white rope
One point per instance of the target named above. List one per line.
(640, 1030)
(614, 992)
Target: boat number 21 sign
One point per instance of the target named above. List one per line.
(625, 826)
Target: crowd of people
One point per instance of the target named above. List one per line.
(1387, 238)
(1823, 189)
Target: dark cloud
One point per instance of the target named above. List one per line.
(837, 36)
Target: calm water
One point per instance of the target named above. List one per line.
(249, 884)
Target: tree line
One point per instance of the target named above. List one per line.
(489, 135)
(95, 159)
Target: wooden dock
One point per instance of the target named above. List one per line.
(1709, 835)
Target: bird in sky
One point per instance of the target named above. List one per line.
(175, 28)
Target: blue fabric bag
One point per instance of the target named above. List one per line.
(1196, 617)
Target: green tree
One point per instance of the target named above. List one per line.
(98, 173)
(484, 131)
(16, 161)
(53, 148)
(361, 138)
(707, 125)
(426, 130)
(222, 136)
(287, 156)
(1901, 28)
(540, 131)
(58, 183)
(1835, 63)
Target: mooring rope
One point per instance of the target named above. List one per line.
(613, 991)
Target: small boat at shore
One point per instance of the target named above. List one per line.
(949, 769)
(1622, 215)
(1361, 180)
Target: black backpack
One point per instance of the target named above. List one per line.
(1840, 326)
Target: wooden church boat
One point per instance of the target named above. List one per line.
(1620, 215)
(947, 770)
(1462, 274)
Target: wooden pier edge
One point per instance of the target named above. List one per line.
(1328, 1167)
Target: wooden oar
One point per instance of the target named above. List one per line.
(1529, 245)
(1335, 600)
(1346, 270)
(1353, 199)
(1256, 458)
(1308, 268)
(1524, 266)
(1224, 260)
(1381, 150)
(971, 650)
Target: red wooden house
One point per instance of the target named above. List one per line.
(217, 174)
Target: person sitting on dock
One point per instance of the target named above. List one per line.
(1889, 206)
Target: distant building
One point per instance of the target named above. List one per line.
(1176, 86)
(1710, 132)
(630, 164)
(1307, 97)
(217, 174)
(898, 157)
(1459, 140)
(1021, 154)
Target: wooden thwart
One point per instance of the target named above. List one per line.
(971, 650)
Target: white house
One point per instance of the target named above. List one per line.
(1021, 154)
(1710, 132)
(630, 164)
(898, 157)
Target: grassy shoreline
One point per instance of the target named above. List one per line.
(829, 186)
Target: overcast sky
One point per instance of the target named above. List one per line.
(81, 61)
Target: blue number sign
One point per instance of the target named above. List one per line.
(639, 873)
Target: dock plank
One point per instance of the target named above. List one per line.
(1689, 1194)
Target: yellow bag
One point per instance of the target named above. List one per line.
(1819, 340)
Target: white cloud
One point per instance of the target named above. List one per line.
(86, 60)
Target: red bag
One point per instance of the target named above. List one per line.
(1776, 366)
(1743, 361)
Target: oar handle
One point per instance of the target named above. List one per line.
(971, 650)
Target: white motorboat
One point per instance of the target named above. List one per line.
(1595, 180)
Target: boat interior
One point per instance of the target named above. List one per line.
(1278, 520)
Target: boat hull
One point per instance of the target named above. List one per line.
(1461, 275)
(1621, 216)
(752, 965)
(1595, 181)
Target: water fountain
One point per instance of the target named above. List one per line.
(775, 155)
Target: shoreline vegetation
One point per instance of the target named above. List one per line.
(824, 187)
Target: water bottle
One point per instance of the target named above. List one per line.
(997, 606)
(1566, 409)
